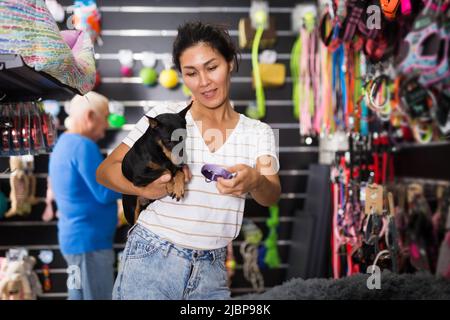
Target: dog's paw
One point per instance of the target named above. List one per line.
(179, 191)
(169, 188)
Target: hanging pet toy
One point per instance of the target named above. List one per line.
(126, 62)
(259, 13)
(148, 74)
(46, 257)
(116, 118)
(168, 78)
(249, 252)
(272, 257)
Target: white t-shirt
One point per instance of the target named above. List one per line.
(205, 219)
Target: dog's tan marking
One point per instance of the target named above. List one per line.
(166, 151)
(153, 166)
(178, 188)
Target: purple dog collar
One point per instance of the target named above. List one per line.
(212, 172)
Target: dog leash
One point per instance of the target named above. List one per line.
(307, 89)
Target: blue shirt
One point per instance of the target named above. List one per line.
(88, 211)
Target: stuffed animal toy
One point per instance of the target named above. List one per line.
(17, 279)
(20, 189)
(28, 163)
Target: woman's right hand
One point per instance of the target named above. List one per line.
(157, 189)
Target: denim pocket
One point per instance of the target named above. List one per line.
(140, 247)
(220, 261)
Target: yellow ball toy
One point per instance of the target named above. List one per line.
(168, 78)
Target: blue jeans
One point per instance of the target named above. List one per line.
(156, 269)
(95, 271)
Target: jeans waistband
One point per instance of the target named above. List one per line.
(167, 246)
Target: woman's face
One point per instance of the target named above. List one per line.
(207, 74)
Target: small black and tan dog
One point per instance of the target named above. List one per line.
(151, 156)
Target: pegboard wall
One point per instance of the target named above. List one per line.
(150, 25)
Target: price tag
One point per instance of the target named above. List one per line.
(374, 199)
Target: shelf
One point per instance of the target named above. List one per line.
(415, 145)
(19, 82)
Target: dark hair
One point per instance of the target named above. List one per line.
(216, 36)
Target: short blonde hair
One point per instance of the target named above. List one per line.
(80, 104)
(91, 100)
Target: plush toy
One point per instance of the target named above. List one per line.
(17, 279)
(86, 17)
(20, 189)
(28, 161)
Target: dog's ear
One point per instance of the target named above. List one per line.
(152, 122)
(183, 112)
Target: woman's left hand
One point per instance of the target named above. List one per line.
(246, 180)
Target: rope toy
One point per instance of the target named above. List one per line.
(249, 252)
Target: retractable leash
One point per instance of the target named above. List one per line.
(6, 125)
(26, 128)
(16, 129)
